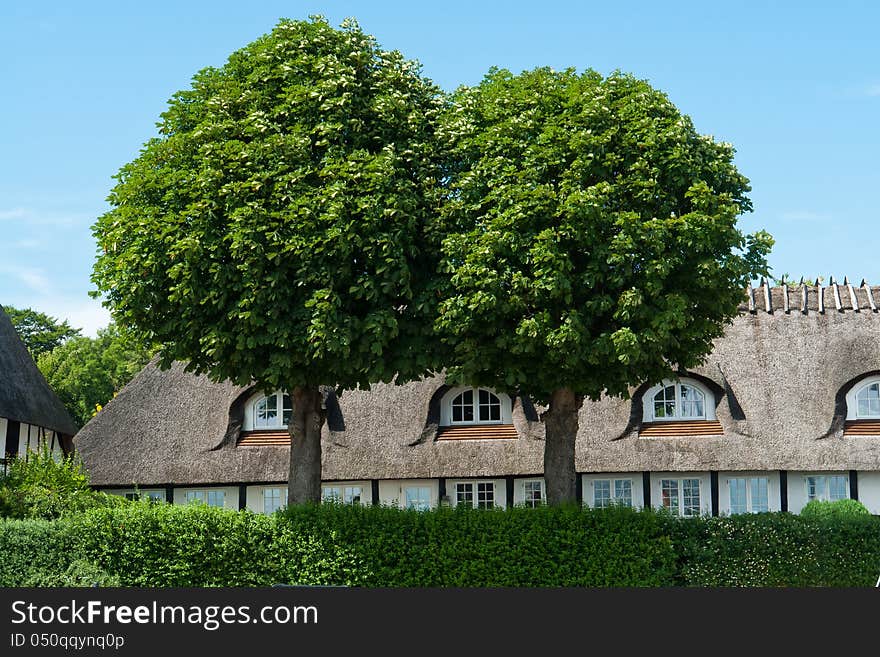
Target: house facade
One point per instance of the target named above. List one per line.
(30, 413)
(785, 409)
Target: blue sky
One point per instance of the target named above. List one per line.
(795, 86)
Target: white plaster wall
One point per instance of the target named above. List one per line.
(230, 498)
(797, 488)
(2, 437)
(705, 488)
(869, 491)
(638, 493)
(391, 491)
(499, 486)
(773, 490)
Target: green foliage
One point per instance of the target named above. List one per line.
(86, 373)
(778, 549)
(163, 545)
(565, 546)
(43, 487)
(39, 332)
(594, 241)
(836, 509)
(281, 227)
(34, 550)
(142, 544)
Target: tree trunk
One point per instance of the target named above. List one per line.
(306, 422)
(561, 427)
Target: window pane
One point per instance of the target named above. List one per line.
(601, 493)
(418, 497)
(463, 407)
(664, 403)
(534, 493)
(738, 503)
(287, 410)
(669, 495)
(331, 494)
(690, 497)
(815, 488)
(837, 487)
(691, 402)
(464, 494)
(195, 495)
(760, 495)
(485, 495)
(869, 401)
(266, 412)
(623, 492)
(216, 497)
(271, 500)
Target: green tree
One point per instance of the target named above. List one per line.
(86, 372)
(39, 332)
(279, 230)
(595, 243)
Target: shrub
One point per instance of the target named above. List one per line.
(42, 486)
(835, 509)
(33, 550)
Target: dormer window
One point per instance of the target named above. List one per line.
(474, 406)
(268, 412)
(868, 401)
(677, 401)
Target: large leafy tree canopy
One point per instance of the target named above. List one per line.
(597, 244)
(86, 372)
(39, 332)
(279, 228)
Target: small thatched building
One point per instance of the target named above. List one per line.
(785, 409)
(30, 413)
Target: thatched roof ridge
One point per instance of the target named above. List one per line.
(24, 394)
(779, 378)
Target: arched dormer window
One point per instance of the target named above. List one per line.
(267, 412)
(863, 401)
(678, 401)
(472, 406)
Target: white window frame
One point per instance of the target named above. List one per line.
(280, 496)
(825, 494)
(421, 505)
(475, 485)
(852, 399)
(250, 412)
(680, 510)
(446, 407)
(203, 496)
(612, 490)
(650, 393)
(542, 498)
(749, 498)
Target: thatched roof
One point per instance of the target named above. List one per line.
(24, 394)
(779, 379)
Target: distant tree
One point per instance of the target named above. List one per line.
(279, 230)
(595, 243)
(39, 332)
(86, 372)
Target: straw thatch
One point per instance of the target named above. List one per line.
(24, 394)
(779, 379)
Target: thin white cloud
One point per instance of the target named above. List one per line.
(13, 213)
(804, 215)
(872, 90)
(32, 278)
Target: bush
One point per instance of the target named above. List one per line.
(34, 550)
(836, 509)
(43, 487)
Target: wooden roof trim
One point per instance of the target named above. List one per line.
(861, 428)
(478, 432)
(681, 429)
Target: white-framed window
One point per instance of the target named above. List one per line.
(749, 494)
(681, 496)
(612, 491)
(268, 412)
(464, 406)
(828, 488)
(272, 499)
(342, 494)
(417, 497)
(533, 493)
(476, 494)
(863, 400)
(683, 400)
(216, 498)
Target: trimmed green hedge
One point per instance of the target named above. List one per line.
(144, 544)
